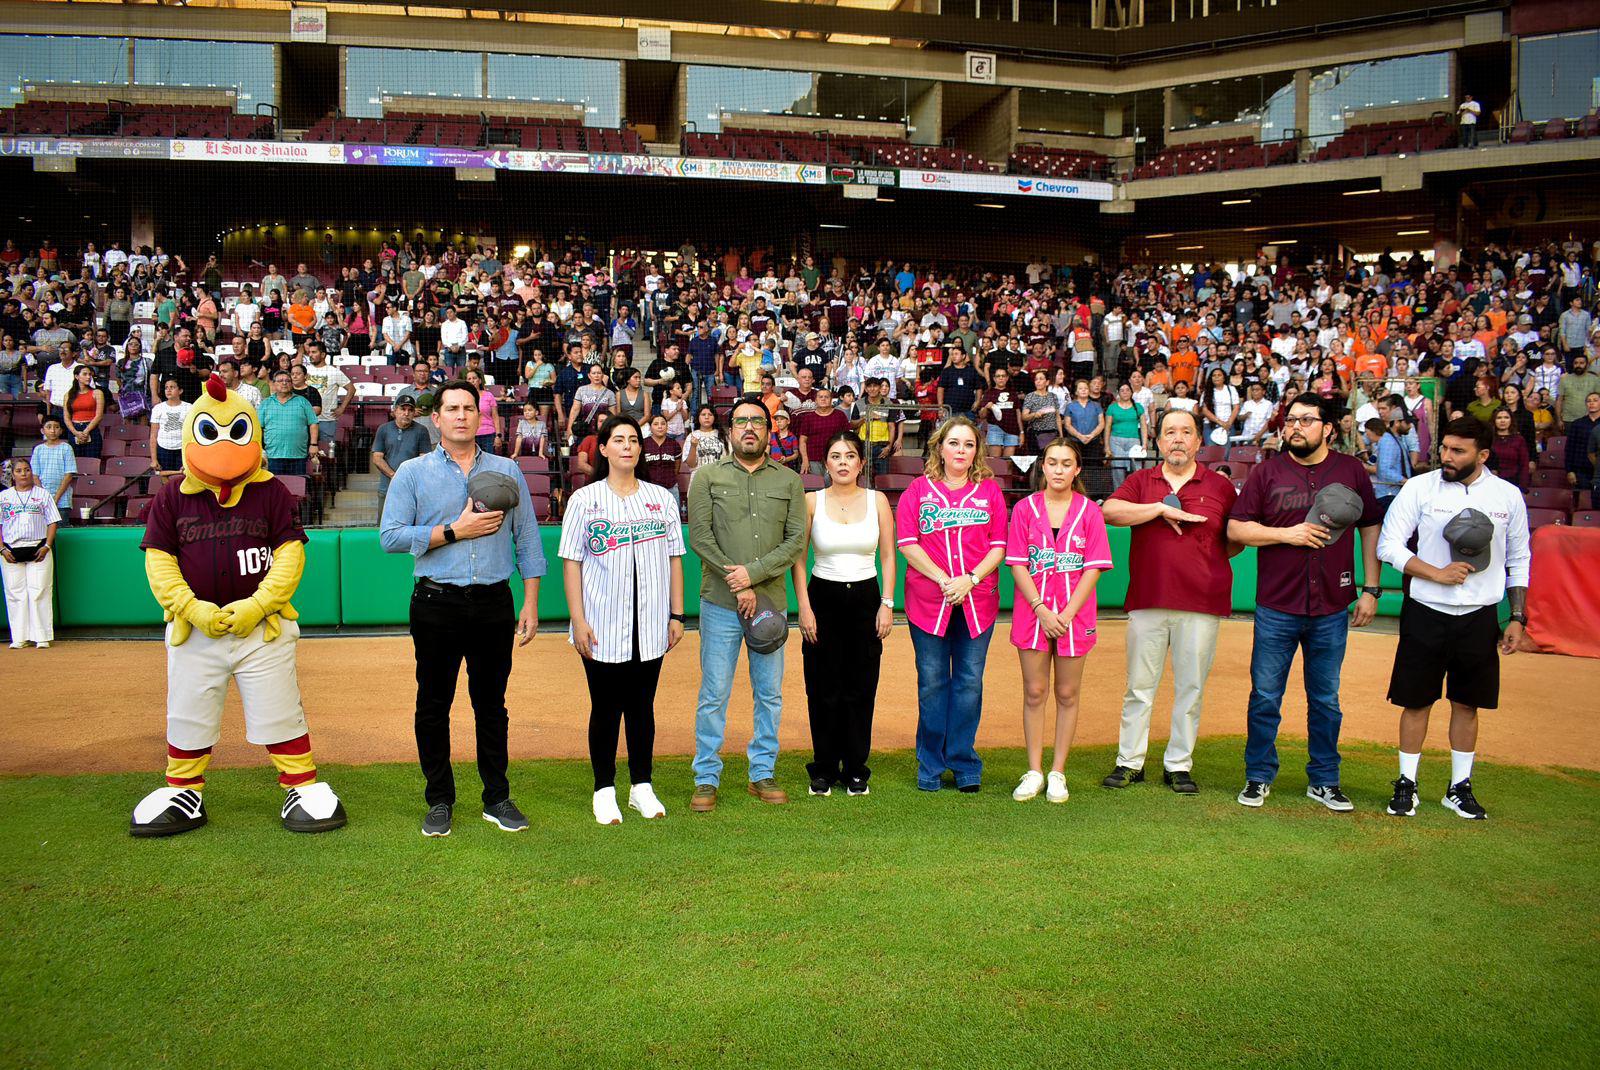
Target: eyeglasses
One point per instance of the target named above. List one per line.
(1301, 421)
(748, 421)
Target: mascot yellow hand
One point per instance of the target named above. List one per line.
(178, 599)
(271, 600)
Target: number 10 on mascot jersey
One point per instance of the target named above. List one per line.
(224, 552)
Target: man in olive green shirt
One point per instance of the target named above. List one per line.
(1575, 386)
(747, 521)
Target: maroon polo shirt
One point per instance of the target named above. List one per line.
(1185, 571)
(817, 429)
(1298, 579)
(660, 461)
(223, 553)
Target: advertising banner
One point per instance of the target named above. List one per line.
(86, 147)
(258, 151)
(864, 176)
(1005, 185)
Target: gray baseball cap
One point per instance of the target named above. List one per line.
(1337, 508)
(494, 492)
(1471, 538)
(767, 629)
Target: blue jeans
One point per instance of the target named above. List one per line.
(10, 383)
(698, 392)
(1277, 636)
(721, 636)
(949, 702)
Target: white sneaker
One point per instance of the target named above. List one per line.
(642, 797)
(1057, 791)
(42, 646)
(1028, 786)
(605, 807)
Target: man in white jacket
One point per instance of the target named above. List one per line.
(1472, 551)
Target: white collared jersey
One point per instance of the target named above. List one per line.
(626, 547)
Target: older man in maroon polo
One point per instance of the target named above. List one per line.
(1180, 586)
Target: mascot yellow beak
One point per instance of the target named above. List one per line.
(222, 445)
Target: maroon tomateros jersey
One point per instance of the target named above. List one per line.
(223, 553)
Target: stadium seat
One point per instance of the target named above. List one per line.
(1549, 498)
(900, 464)
(537, 484)
(1587, 518)
(1538, 518)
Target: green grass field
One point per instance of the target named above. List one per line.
(899, 930)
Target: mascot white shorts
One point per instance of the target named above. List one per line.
(197, 683)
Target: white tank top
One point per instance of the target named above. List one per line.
(845, 553)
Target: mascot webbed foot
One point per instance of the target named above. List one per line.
(168, 811)
(313, 808)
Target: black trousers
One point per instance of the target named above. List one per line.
(449, 625)
(841, 670)
(622, 693)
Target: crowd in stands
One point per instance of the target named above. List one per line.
(110, 345)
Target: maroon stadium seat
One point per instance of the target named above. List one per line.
(1549, 498)
(1586, 518)
(1538, 518)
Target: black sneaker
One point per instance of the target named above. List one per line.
(1460, 799)
(1180, 781)
(1330, 796)
(857, 787)
(1404, 803)
(821, 785)
(437, 820)
(970, 789)
(1122, 776)
(1255, 793)
(505, 816)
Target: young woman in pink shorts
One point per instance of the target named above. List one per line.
(1057, 550)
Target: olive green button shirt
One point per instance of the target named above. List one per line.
(755, 519)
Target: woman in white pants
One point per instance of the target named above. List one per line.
(28, 519)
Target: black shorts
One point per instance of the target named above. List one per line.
(1442, 654)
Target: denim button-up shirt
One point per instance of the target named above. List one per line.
(430, 490)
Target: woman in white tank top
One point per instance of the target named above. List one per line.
(844, 616)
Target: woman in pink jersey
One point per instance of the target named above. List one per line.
(951, 529)
(1057, 551)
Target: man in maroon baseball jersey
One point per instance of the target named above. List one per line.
(816, 427)
(1299, 508)
(1180, 586)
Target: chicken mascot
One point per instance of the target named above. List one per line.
(224, 552)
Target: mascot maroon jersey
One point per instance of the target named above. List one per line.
(223, 553)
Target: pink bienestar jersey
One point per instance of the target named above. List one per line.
(1057, 564)
(956, 529)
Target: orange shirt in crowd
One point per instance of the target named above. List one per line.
(1372, 364)
(1346, 363)
(1497, 320)
(1179, 330)
(300, 318)
(1185, 365)
(1158, 379)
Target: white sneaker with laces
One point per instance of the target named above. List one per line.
(1028, 786)
(605, 807)
(1057, 790)
(642, 797)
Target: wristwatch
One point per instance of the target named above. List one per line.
(1376, 592)
(676, 616)
(1519, 618)
(449, 533)
(886, 603)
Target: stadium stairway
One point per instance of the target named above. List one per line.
(357, 504)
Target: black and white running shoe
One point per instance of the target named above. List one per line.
(1404, 803)
(167, 812)
(1330, 796)
(1460, 799)
(1255, 793)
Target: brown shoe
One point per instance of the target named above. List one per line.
(768, 791)
(704, 799)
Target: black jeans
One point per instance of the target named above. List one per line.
(622, 693)
(841, 670)
(449, 624)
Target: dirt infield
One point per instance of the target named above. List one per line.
(97, 707)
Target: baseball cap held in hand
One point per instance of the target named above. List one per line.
(1336, 508)
(493, 492)
(1470, 534)
(767, 629)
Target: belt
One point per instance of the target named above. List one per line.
(467, 591)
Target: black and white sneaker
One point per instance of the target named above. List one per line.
(505, 816)
(1460, 799)
(821, 785)
(1330, 796)
(167, 812)
(436, 822)
(857, 787)
(313, 808)
(1255, 793)
(1122, 776)
(1404, 803)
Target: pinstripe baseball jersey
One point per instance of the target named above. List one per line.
(626, 546)
(1056, 561)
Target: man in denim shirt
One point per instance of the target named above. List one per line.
(461, 606)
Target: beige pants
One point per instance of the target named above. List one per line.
(1192, 638)
(197, 683)
(28, 586)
